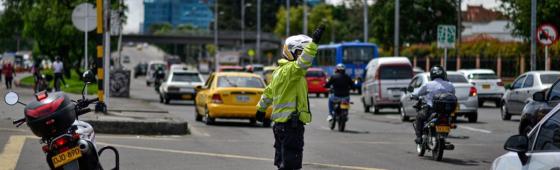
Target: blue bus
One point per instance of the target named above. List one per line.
(354, 55)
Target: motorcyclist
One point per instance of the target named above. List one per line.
(341, 85)
(159, 75)
(439, 84)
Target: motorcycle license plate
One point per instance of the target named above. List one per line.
(66, 157)
(344, 106)
(442, 129)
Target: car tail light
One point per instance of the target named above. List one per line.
(500, 83)
(472, 91)
(216, 98)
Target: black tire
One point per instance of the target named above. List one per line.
(404, 117)
(326, 95)
(167, 100)
(375, 110)
(498, 103)
(437, 153)
(252, 121)
(504, 113)
(341, 126)
(480, 103)
(267, 122)
(473, 117)
(197, 115)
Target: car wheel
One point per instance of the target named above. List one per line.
(504, 113)
(252, 121)
(404, 117)
(473, 117)
(197, 115)
(480, 103)
(317, 95)
(167, 100)
(375, 110)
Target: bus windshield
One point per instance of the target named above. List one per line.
(357, 55)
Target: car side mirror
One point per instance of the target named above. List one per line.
(539, 96)
(508, 86)
(88, 77)
(519, 144)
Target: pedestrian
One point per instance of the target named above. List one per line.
(1, 65)
(287, 94)
(58, 67)
(9, 74)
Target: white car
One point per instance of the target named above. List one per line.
(179, 85)
(540, 149)
(465, 92)
(490, 87)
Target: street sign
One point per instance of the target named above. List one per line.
(547, 34)
(446, 36)
(84, 17)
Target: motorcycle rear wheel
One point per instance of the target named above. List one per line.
(341, 126)
(437, 152)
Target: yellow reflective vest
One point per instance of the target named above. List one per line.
(287, 92)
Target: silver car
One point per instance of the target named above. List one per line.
(519, 93)
(540, 149)
(465, 92)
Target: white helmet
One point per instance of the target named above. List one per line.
(340, 67)
(294, 43)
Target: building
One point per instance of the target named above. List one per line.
(481, 22)
(197, 13)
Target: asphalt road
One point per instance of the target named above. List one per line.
(372, 141)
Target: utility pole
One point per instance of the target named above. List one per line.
(396, 48)
(533, 33)
(259, 31)
(365, 21)
(243, 26)
(287, 18)
(107, 49)
(305, 17)
(458, 29)
(216, 65)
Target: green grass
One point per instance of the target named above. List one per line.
(75, 85)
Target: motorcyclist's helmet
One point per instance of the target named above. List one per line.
(340, 68)
(438, 72)
(293, 46)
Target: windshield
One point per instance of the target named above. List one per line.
(357, 55)
(315, 74)
(185, 77)
(236, 81)
(155, 66)
(396, 72)
(549, 78)
(483, 76)
(455, 78)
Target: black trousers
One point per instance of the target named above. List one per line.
(288, 145)
(58, 78)
(421, 117)
(9, 82)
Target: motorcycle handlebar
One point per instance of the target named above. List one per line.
(19, 122)
(83, 111)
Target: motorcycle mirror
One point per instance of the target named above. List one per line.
(88, 76)
(11, 98)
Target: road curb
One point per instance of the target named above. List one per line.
(140, 127)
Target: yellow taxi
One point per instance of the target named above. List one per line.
(230, 95)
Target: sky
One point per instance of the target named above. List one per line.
(136, 11)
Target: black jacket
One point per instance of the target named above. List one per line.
(341, 84)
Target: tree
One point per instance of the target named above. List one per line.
(419, 25)
(519, 11)
(319, 14)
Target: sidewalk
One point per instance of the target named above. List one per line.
(125, 116)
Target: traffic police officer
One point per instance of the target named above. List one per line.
(287, 94)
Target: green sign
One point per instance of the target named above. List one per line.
(446, 36)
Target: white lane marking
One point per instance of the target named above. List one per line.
(220, 155)
(475, 129)
(12, 150)
(197, 132)
(393, 117)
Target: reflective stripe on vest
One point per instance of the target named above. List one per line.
(280, 115)
(284, 105)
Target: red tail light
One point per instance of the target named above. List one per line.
(500, 83)
(216, 98)
(60, 142)
(472, 91)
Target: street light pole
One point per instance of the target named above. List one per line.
(259, 31)
(365, 21)
(533, 33)
(305, 17)
(216, 65)
(287, 18)
(396, 48)
(243, 26)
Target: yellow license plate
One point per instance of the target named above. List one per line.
(315, 82)
(344, 106)
(186, 96)
(486, 86)
(66, 157)
(442, 129)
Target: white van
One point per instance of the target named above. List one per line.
(152, 66)
(385, 80)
